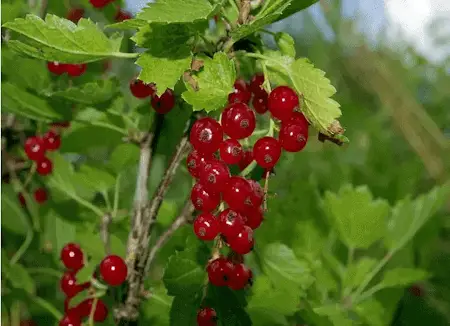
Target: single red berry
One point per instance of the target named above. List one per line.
(70, 320)
(206, 227)
(237, 192)
(52, 141)
(207, 317)
(40, 195)
(139, 89)
(214, 175)
(85, 307)
(69, 284)
(298, 118)
(75, 14)
(76, 70)
(254, 217)
(22, 200)
(56, 67)
(247, 158)
(260, 104)
(257, 195)
(44, 166)
(238, 121)
(206, 135)
(282, 102)
(122, 15)
(195, 162)
(243, 242)
(230, 223)
(230, 151)
(241, 93)
(267, 152)
(99, 3)
(72, 256)
(165, 103)
(256, 85)
(113, 270)
(219, 271)
(239, 278)
(34, 148)
(204, 200)
(293, 137)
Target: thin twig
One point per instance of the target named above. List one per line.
(266, 189)
(244, 11)
(104, 232)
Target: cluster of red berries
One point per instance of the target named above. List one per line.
(73, 70)
(75, 14)
(112, 270)
(161, 104)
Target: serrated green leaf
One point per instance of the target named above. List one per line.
(359, 219)
(358, 271)
(399, 277)
(215, 83)
(296, 6)
(158, 308)
(285, 43)
(168, 56)
(183, 276)
(20, 102)
(90, 93)
(14, 218)
(124, 155)
(184, 310)
(98, 179)
(59, 39)
(20, 279)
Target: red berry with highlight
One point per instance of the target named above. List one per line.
(267, 152)
(219, 271)
(40, 195)
(44, 166)
(230, 223)
(195, 162)
(34, 148)
(84, 309)
(293, 137)
(282, 102)
(230, 151)
(243, 242)
(113, 270)
(52, 141)
(72, 256)
(56, 67)
(214, 175)
(139, 89)
(203, 199)
(69, 285)
(254, 218)
(241, 93)
(206, 227)
(238, 121)
(164, 103)
(237, 192)
(247, 158)
(75, 14)
(76, 70)
(298, 118)
(257, 195)
(256, 85)
(260, 104)
(70, 320)
(207, 317)
(206, 135)
(239, 278)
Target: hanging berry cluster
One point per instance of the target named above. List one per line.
(161, 104)
(231, 205)
(113, 271)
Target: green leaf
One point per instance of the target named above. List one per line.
(372, 312)
(59, 39)
(358, 271)
(399, 277)
(20, 102)
(93, 245)
(296, 6)
(158, 308)
(57, 232)
(123, 156)
(183, 276)
(14, 218)
(85, 138)
(128, 24)
(168, 55)
(98, 179)
(11, 11)
(20, 279)
(359, 219)
(90, 93)
(286, 43)
(184, 310)
(215, 82)
(85, 274)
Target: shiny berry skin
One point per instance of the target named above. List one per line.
(207, 317)
(85, 307)
(219, 271)
(122, 15)
(76, 70)
(22, 200)
(243, 242)
(70, 320)
(34, 148)
(298, 118)
(237, 192)
(239, 278)
(139, 89)
(206, 227)
(204, 200)
(195, 162)
(267, 152)
(44, 166)
(257, 195)
(99, 3)
(260, 104)
(113, 270)
(214, 175)
(72, 256)
(247, 158)
(52, 141)
(69, 285)
(282, 102)
(56, 67)
(230, 223)
(230, 151)
(75, 14)
(256, 85)
(238, 121)
(206, 135)
(254, 218)
(293, 137)
(241, 93)
(40, 195)
(164, 103)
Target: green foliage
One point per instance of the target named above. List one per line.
(90, 93)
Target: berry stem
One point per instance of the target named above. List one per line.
(104, 232)
(30, 175)
(91, 315)
(266, 190)
(47, 306)
(23, 248)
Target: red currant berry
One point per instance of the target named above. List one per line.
(239, 278)
(52, 141)
(165, 103)
(72, 256)
(34, 148)
(214, 175)
(206, 227)
(254, 218)
(267, 152)
(76, 70)
(256, 85)
(207, 317)
(298, 118)
(230, 223)
(70, 320)
(230, 151)
(247, 158)
(56, 67)
(139, 89)
(22, 200)
(195, 163)
(122, 15)
(85, 307)
(75, 14)
(40, 195)
(69, 285)
(113, 270)
(238, 121)
(243, 242)
(257, 195)
(44, 166)
(204, 200)
(293, 137)
(241, 93)
(206, 135)
(282, 102)
(260, 104)
(99, 3)
(219, 271)
(237, 192)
